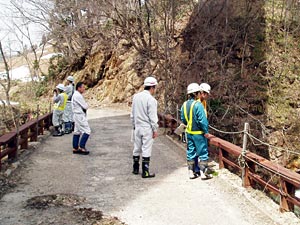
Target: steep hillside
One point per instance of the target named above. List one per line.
(224, 42)
(219, 43)
(282, 73)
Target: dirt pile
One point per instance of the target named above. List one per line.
(61, 209)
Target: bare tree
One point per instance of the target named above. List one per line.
(5, 83)
(29, 50)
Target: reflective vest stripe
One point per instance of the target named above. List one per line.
(63, 106)
(190, 121)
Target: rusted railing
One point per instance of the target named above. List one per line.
(256, 169)
(10, 142)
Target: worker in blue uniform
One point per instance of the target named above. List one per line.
(194, 117)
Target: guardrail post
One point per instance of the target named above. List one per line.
(13, 146)
(245, 170)
(49, 121)
(23, 135)
(17, 137)
(221, 163)
(285, 205)
(37, 121)
(34, 129)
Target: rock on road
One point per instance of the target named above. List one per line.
(105, 181)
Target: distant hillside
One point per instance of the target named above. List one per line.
(19, 65)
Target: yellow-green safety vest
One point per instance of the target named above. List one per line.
(190, 121)
(63, 106)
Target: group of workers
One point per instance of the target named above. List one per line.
(70, 109)
(69, 114)
(62, 118)
(193, 114)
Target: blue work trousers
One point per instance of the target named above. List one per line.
(196, 147)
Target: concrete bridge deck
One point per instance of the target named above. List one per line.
(104, 180)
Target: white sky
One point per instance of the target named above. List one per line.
(7, 37)
(9, 41)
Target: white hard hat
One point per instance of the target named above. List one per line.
(150, 81)
(70, 78)
(61, 87)
(205, 87)
(192, 88)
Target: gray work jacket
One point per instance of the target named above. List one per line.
(144, 111)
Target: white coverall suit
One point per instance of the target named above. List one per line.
(68, 114)
(79, 106)
(144, 121)
(59, 107)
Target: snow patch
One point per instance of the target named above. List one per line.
(20, 73)
(48, 56)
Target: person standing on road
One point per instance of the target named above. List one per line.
(82, 128)
(145, 124)
(204, 94)
(60, 101)
(68, 114)
(193, 116)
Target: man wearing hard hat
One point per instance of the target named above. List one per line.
(60, 100)
(68, 114)
(144, 121)
(194, 117)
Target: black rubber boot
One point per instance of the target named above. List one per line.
(62, 128)
(191, 168)
(145, 167)
(57, 132)
(204, 171)
(136, 164)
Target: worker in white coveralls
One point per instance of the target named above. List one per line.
(194, 117)
(60, 101)
(82, 128)
(145, 124)
(68, 113)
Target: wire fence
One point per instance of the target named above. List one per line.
(250, 136)
(256, 168)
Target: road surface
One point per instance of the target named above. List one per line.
(102, 181)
